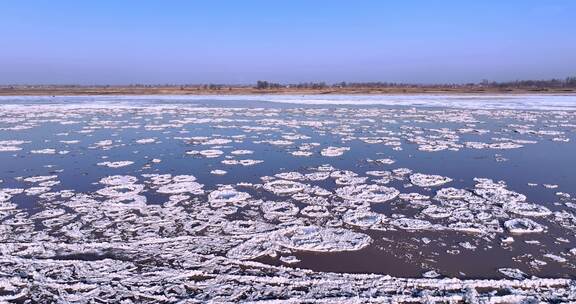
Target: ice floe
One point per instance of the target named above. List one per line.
(313, 238)
(426, 180)
(334, 151)
(523, 225)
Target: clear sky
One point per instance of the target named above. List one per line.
(215, 41)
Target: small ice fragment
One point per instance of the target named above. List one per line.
(218, 172)
(289, 259)
(334, 151)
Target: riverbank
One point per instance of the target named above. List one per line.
(245, 90)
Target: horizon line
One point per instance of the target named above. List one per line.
(286, 84)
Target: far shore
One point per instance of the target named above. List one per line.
(241, 90)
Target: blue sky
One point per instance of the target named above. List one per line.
(122, 42)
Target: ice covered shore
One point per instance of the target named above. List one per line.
(174, 270)
(462, 101)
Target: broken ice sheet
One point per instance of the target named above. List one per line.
(177, 211)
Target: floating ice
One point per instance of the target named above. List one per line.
(505, 145)
(241, 152)
(431, 274)
(437, 212)
(425, 180)
(104, 143)
(280, 142)
(243, 162)
(291, 176)
(500, 195)
(122, 192)
(301, 153)
(350, 180)
(116, 180)
(217, 141)
(453, 194)
(274, 210)
(523, 225)
(181, 187)
(315, 211)
(526, 209)
(43, 151)
(247, 227)
(313, 238)
(370, 193)
(39, 179)
(116, 164)
(555, 258)
(413, 224)
(212, 153)
(284, 187)
(413, 196)
(4, 197)
(12, 142)
(36, 190)
(251, 249)
(362, 219)
(385, 161)
(334, 151)
(226, 195)
(513, 273)
(49, 213)
(218, 172)
(10, 148)
(289, 259)
(146, 141)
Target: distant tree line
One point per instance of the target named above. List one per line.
(264, 85)
(310, 85)
(569, 82)
(566, 83)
